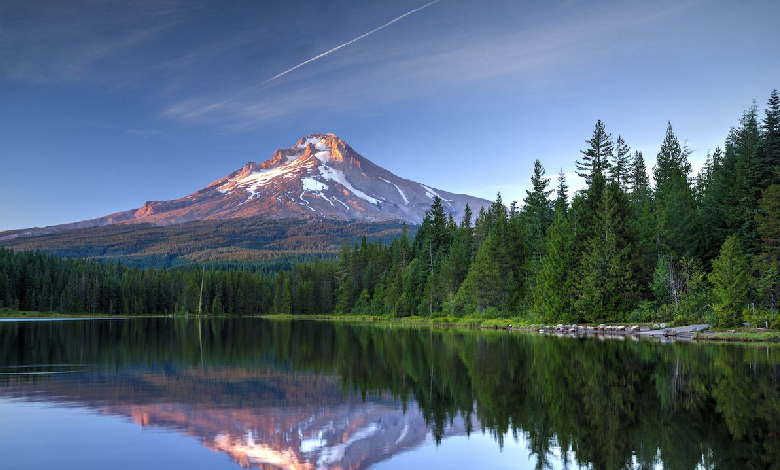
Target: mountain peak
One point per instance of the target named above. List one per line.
(320, 176)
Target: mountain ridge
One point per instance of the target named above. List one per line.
(320, 176)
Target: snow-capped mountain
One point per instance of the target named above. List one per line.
(319, 177)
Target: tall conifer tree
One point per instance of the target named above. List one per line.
(675, 207)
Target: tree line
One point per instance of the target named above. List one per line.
(681, 248)
(688, 249)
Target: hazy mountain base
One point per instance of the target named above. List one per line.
(239, 243)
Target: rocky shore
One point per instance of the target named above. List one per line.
(656, 330)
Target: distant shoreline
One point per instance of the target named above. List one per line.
(743, 335)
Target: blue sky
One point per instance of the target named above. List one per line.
(107, 104)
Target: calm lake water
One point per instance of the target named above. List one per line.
(232, 393)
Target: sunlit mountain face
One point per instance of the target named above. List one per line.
(310, 395)
(320, 177)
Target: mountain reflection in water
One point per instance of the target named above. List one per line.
(306, 395)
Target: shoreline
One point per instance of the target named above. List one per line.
(697, 333)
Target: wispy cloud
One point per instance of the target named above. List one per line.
(309, 61)
(220, 79)
(393, 70)
(142, 133)
(63, 42)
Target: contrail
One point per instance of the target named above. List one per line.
(350, 42)
(317, 57)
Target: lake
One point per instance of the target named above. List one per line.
(272, 394)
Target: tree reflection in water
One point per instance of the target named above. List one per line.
(613, 404)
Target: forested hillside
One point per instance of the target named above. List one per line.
(682, 248)
(235, 242)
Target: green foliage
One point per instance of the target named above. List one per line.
(595, 159)
(731, 281)
(605, 287)
(537, 211)
(769, 153)
(620, 169)
(675, 206)
(682, 290)
(553, 294)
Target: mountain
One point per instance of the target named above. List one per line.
(319, 177)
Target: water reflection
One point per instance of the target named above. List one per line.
(274, 394)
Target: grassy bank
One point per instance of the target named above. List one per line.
(5, 313)
(741, 335)
(471, 322)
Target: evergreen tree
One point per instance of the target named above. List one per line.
(769, 156)
(605, 286)
(561, 194)
(553, 290)
(729, 200)
(637, 180)
(586, 206)
(730, 279)
(621, 164)
(595, 160)
(675, 207)
(768, 219)
(644, 253)
(486, 284)
(747, 178)
(537, 211)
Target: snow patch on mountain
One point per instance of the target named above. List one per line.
(429, 192)
(339, 177)
(313, 139)
(310, 184)
(406, 201)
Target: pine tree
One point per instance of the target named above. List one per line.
(644, 253)
(637, 180)
(747, 179)
(552, 292)
(730, 278)
(677, 224)
(486, 284)
(605, 286)
(769, 155)
(561, 194)
(619, 171)
(716, 206)
(537, 211)
(595, 160)
(768, 219)
(586, 205)
(730, 200)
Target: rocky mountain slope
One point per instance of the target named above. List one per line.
(319, 177)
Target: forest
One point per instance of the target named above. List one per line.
(272, 244)
(625, 248)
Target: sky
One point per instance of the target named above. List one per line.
(106, 104)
